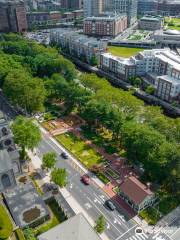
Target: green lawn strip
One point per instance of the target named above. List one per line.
(19, 234)
(116, 189)
(124, 51)
(103, 178)
(38, 189)
(112, 173)
(87, 155)
(6, 226)
(151, 215)
(57, 217)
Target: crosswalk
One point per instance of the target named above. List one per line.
(142, 236)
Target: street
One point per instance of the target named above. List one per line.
(92, 199)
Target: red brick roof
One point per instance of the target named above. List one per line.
(135, 190)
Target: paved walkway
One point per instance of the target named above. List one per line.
(37, 162)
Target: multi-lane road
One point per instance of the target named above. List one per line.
(91, 198)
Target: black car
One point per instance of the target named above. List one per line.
(110, 205)
(64, 155)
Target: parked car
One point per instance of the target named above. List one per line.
(85, 179)
(110, 205)
(64, 155)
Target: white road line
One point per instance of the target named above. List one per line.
(143, 236)
(126, 232)
(175, 232)
(103, 214)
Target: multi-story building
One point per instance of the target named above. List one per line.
(167, 38)
(105, 26)
(77, 45)
(9, 156)
(128, 7)
(147, 6)
(160, 67)
(169, 7)
(12, 16)
(151, 23)
(121, 67)
(72, 4)
(42, 18)
(93, 8)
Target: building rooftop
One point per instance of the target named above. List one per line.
(5, 161)
(105, 18)
(170, 79)
(75, 228)
(151, 18)
(22, 201)
(135, 190)
(126, 61)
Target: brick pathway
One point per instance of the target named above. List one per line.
(117, 163)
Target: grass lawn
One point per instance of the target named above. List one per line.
(87, 155)
(173, 23)
(124, 51)
(151, 215)
(57, 217)
(6, 226)
(103, 178)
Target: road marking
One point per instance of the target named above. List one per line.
(108, 226)
(126, 232)
(175, 232)
(121, 217)
(102, 214)
(87, 205)
(97, 201)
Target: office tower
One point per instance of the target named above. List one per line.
(12, 16)
(93, 8)
(128, 7)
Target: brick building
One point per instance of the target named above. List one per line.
(105, 26)
(12, 16)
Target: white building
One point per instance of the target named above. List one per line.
(161, 68)
(78, 45)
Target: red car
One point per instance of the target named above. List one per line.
(85, 179)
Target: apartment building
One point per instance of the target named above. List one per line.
(42, 18)
(123, 68)
(151, 23)
(160, 67)
(12, 16)
(77, 45)
(105, 26)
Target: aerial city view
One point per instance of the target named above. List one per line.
(89, 119)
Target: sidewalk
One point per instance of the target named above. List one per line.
(36, 161)
(98, 182)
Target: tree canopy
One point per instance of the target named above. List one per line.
(26, 133)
